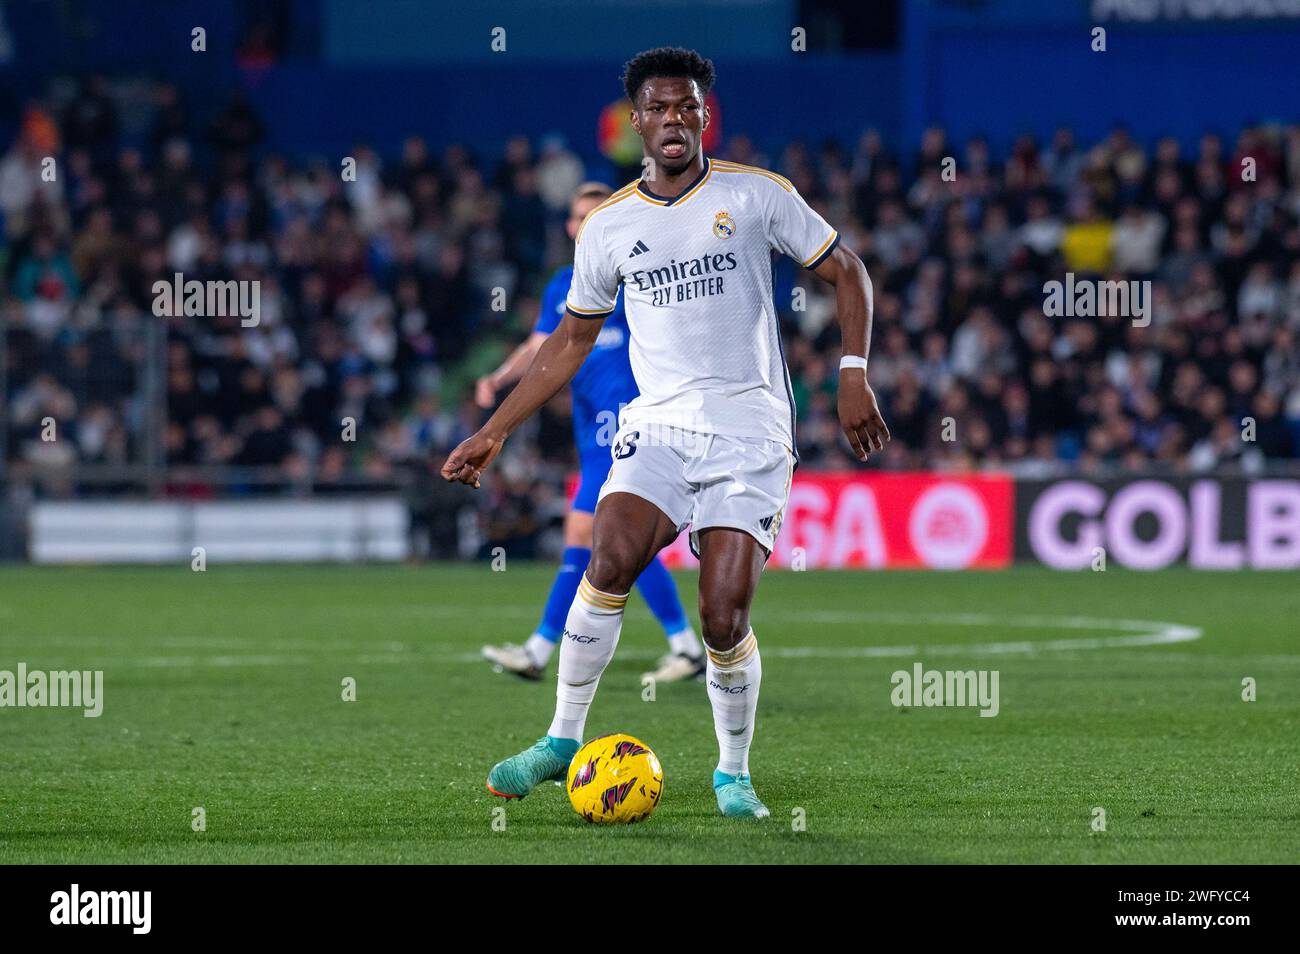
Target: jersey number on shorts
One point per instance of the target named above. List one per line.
(625, 447)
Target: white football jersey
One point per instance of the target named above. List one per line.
(696, 272)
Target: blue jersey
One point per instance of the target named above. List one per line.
(604, 382)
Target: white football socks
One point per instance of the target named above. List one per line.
(685, 643)
(590, 637)
(733, 679)
(539, 650)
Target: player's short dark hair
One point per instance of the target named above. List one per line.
(670, 61)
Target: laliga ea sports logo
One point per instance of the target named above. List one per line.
(724, 226)
(948, 527)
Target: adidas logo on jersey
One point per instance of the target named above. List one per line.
(639, 248)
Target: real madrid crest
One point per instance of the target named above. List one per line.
(724, 226)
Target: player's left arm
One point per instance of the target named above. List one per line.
(510, 370)
(859, 413)
(795, 229)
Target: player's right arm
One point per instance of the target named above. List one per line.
(590, 301)
(557, 361)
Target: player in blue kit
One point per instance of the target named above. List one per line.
(601, 387)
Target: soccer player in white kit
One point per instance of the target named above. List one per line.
(710, 441)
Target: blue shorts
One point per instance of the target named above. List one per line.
(593, 433)
(595, 463)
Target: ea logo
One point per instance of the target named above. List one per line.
(724, 226)
(948, 527)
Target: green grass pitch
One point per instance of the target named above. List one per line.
(223, 690)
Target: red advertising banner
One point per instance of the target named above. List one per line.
(986, 521)
(903, 520)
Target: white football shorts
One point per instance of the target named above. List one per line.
(704, 480)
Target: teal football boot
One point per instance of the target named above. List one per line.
(547, 760)
(736, 798)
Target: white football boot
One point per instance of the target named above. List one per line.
(677, 667)
(512, 658)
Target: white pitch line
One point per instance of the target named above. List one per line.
(1138, 633)
(222, 662)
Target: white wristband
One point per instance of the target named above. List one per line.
(853, 361)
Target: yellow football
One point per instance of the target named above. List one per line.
(615, 779)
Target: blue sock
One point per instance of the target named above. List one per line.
(660, 593)
(563, 590)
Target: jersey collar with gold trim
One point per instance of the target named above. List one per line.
(644, 192)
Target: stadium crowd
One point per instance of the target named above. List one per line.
(383, 297)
